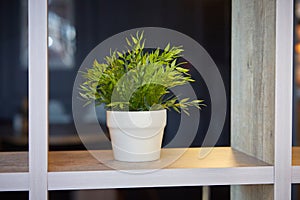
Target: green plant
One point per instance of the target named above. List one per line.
(138, 80)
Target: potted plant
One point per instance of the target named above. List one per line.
(134, 86)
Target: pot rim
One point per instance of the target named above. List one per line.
(118, 111)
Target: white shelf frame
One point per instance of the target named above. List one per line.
(161, 178)
(38, 180)
(38, 99)
(296, 174)
(283, 99)
(14, 181)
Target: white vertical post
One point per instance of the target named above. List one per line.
(283, 98)
(38, 99)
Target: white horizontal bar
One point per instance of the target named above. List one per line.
(162, 178)
(296, 174)
(14, 181)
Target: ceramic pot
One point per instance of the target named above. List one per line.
(136, 136)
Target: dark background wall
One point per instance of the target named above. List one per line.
(206, 21)
(13, 80)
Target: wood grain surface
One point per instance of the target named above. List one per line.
(13, 162)
(219, 157)
(296, 156)
(253, 86)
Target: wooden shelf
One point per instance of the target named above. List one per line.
(222, 166)
(219, 157)
(296, 156)
(11, 162)
(14, 174)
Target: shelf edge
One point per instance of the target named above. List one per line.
(162, 178)
(296, 174)
(18, 181)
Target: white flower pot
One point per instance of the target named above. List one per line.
(136, 136)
